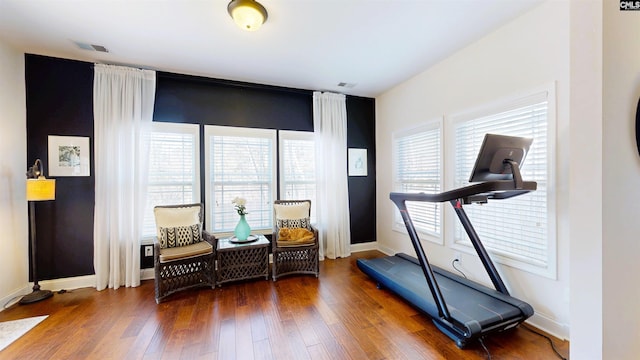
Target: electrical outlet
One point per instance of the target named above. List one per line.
(148, 250)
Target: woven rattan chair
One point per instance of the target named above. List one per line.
(183, 253)
(294, 256)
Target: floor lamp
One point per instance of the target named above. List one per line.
(39, 188)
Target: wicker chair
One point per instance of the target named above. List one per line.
(292, 256)
(183, 253)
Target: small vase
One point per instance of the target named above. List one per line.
(242, 230)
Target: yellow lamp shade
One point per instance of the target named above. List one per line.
(41, 189)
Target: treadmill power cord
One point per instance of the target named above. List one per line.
(484, 347)
(553, 346)
(453, 264)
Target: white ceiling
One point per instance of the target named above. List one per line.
(306, 44)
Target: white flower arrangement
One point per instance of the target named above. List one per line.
(240, 205)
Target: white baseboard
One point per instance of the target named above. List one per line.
(147, 274)
(69, 283)
(387, 251)
(53, 285)
(56, 285)
(548, 325)
(373, 245)
(14, 297)
(364, 246)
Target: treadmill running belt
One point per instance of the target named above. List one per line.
(477, 307)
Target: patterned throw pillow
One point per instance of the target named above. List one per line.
(180, 236)
(303, 223)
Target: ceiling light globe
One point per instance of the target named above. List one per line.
(247, 14)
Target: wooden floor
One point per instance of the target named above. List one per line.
(341, 315)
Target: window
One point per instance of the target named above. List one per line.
(417, 168)
(240, 162)
(174, 169)
(520, 230)
(298, 167)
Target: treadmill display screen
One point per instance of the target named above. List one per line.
(494, 151)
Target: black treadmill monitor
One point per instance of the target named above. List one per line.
(490, 164)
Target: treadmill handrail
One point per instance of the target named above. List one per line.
(443, 311)
(498, 189)
(489, 267)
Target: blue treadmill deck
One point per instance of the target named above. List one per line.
(479, 309)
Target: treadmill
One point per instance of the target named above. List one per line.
(462, 309)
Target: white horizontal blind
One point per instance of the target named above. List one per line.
(174, 163)
(516, 228)
(241, 163)
(298, 167)
(417, 168)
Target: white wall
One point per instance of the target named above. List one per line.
(14, 271)
(525, 54)
(585, 189)
(620, 184)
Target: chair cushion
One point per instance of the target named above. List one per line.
(200, 248)
(303, 223)
(295, 236)
(292, 211)
(167, 217)
(180, 236)
(178, 226)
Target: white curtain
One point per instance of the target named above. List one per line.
(123, 100)
(330, 128)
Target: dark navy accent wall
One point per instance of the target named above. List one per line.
(59, 96)
(197, 100)
(362, 189)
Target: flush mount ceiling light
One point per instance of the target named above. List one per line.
(247, 14)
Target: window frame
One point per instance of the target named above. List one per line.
(550, 269)
(217, 130)
(284, 135)
(175, 128)
(397, 222)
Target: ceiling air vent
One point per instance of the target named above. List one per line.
(92, 47)
(346, 85)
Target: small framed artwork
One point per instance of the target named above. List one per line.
(357, 162)
(69, 156)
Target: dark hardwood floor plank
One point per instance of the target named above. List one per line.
(262, 350)
(345, 339)
(227, 345)
(244, 334)
(112, 343)
(143, 338)
(340, 315)
(318, 352)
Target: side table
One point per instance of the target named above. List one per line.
(241, 261)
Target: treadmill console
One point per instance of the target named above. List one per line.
(499, 158)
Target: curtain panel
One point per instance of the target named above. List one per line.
(330, 128)
(123, 100)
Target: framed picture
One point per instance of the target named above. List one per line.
(69, 156)
(357, 162)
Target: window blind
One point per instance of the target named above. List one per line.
(174, 161)
(241, 163)
(417, 168)
(298, 167)
(516, 228)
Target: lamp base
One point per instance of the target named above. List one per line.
(36, 296)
